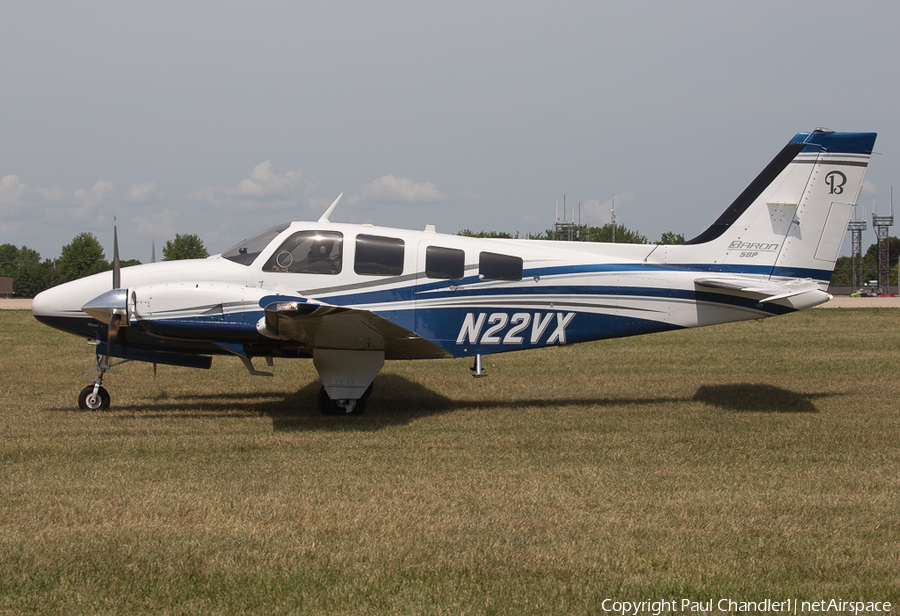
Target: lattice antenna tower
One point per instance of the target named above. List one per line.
(856, 228)
(882, 224)
(563, 229)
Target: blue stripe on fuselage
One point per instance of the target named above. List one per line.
(471, 285)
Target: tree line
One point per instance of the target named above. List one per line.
(81, 257)
(843, 269)
(605, 233)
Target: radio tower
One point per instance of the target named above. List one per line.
(881, 225)
(614, 220)
(856, 228)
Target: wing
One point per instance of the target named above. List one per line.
(798, 293)
(320, 326)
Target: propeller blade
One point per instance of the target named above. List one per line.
(115, 315)
(117, 277)
(112, 332)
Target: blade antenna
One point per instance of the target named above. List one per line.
(324, 217)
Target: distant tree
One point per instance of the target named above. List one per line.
(497, 234)
(82, 257)
(9, 259)
(187, 246)
(843, 272)
(669, 237)
(590, 234)
(33, 278)
(24, 266)
(605, 234)
(129, 262)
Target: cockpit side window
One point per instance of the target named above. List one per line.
(378, 256)
(245, 251)
(308, 252)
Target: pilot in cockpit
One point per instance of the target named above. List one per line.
(317, 258)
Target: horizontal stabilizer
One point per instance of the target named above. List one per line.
(764, 292)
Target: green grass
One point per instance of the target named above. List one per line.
(746, 461)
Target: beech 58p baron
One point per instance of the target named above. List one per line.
(352, 296)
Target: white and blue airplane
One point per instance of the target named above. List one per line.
(351, 296)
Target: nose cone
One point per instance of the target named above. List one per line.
(60, 306)
(54, 302)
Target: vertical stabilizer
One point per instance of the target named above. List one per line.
(790, 221)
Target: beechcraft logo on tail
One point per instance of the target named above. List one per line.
(835, 181)
(505, 329)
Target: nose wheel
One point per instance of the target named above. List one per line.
(93, 398)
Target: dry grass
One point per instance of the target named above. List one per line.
(748, 461)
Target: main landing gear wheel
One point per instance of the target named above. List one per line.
(90, 401)
(343, 407)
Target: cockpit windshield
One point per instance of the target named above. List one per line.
(245, 251)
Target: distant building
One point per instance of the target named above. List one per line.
(6, 287)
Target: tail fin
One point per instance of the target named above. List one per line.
(790, 221)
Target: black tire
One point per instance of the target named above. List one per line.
(87, 401)
(332, 407)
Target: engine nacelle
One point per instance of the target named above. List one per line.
(197, 310)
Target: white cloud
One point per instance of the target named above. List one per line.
(11, 190)
(142, 193)
(390, 189)
(593, 212)
(160, 225)
(93, 199)
(19, 201)
(263, 186)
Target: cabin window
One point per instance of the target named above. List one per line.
(378, 256)
(308, 252)
(444, 262)
(493, 266)
(245, 251)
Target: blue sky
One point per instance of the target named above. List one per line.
(221, 118)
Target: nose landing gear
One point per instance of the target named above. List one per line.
(95, 397)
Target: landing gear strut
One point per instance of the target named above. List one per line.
(95, 397)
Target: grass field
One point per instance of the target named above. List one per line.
(748, 461)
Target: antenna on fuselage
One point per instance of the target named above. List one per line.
(324, 217)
